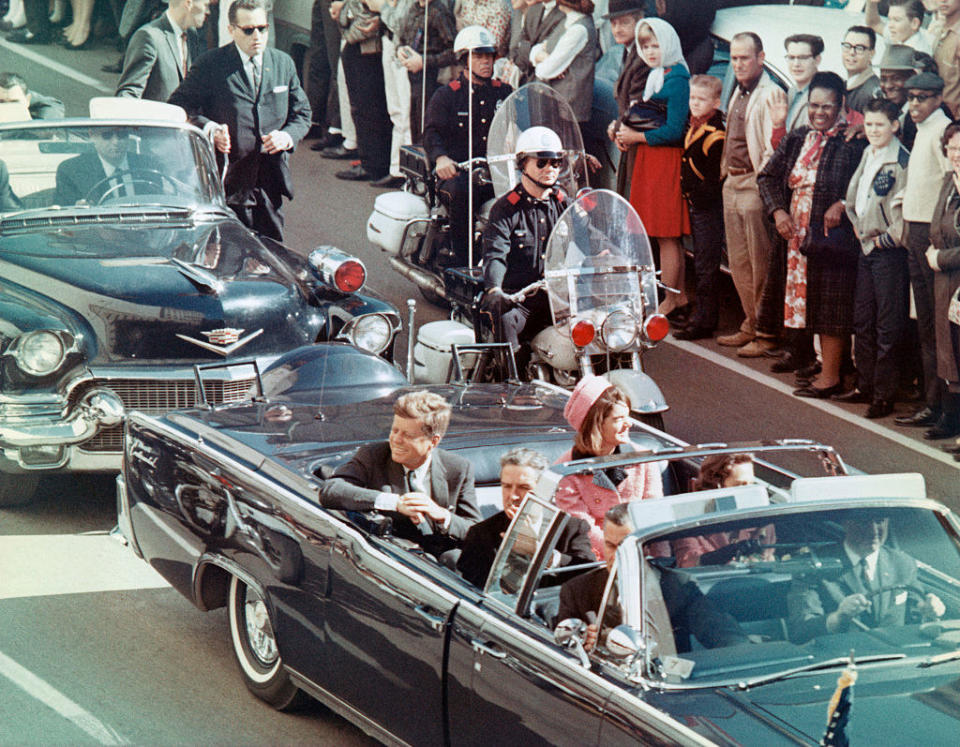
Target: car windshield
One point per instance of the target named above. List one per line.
(105, 166)
(750, 599)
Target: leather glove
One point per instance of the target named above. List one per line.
(495, 302)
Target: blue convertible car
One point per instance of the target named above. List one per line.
(693, 648)
(112, 287)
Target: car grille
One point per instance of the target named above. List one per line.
(154, 397)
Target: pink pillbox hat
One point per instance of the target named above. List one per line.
(586, 393)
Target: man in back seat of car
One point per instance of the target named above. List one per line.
(430, 491)
(520, 470)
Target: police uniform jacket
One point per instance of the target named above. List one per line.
(446, 124)
(515, 239)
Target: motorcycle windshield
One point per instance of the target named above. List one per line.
(534, 104)
(599, 271)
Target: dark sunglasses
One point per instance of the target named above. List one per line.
(555, 162)
(921, 97)
(248, 30)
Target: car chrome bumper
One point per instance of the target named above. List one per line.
(42, 442)
(123, 516)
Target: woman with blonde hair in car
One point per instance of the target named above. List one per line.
(600, 413)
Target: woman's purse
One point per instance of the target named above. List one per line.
(644, 116)
(839, 245)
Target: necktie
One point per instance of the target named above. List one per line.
(415, 485)
(865, 575)
(183, 53)
(255, 67)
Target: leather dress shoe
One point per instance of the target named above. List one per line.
(854, 397)
(355, 173)
(879, 408)
(953, 448)
(808, 372)
(788, 362)
(736, 340)
(812, 392)
(388, 182)
(923, 417)
(680, 314)
(693, 332)
(947, 426)
(330, 140)
(340, 153)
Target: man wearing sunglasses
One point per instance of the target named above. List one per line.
(247, 98)
(515, 241)
(111, 169)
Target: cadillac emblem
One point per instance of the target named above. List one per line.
(224, 336)
(222, 341)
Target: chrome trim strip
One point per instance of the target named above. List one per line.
(220, 349)
(345, 710)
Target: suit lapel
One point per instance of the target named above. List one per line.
(239, 73)
(396, 476)
(438, 481)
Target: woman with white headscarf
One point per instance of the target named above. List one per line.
(655, 124)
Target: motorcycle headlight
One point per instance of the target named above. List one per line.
(39, 353)
(372, 332)
(619, 330)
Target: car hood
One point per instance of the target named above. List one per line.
(892, 703)
(144, 289)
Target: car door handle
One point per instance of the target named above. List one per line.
(436, 622)
(482, 647)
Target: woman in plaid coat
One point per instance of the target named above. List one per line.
(803, 187)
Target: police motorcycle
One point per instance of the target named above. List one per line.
(412, 226)
(599, 273)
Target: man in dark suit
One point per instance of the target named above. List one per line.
(536, 23)
(428, 491)
(161, 52)
(688, 611)
(14, 88)
(520, 469)
(247, 98)
(871, 591)
(110, 167)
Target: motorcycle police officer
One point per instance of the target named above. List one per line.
(446, 128)
(515, 241)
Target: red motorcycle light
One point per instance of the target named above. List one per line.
(349, 276)
(656, 327)
(583, 333)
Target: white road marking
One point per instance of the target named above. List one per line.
(43, 565)
(56, 700)
(56, 66)
(823, 405)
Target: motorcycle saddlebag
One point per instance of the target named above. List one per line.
(392, 211)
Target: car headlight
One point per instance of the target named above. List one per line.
(619, 330)
(39, 353)
(371, 332)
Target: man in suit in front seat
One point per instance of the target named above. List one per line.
(247, 98)
(871, 592)
(430, 491)
(520, 469)
(111, 169)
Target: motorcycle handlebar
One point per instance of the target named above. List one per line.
(524, 293)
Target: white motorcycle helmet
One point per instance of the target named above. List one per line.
(474, 39)
(538, 142)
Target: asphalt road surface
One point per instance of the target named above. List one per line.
(95, 648)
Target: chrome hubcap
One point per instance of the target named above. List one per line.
(259, 631)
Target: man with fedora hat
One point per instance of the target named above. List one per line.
(925, 172)
(896, 68)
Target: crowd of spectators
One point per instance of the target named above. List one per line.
(836, 199)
